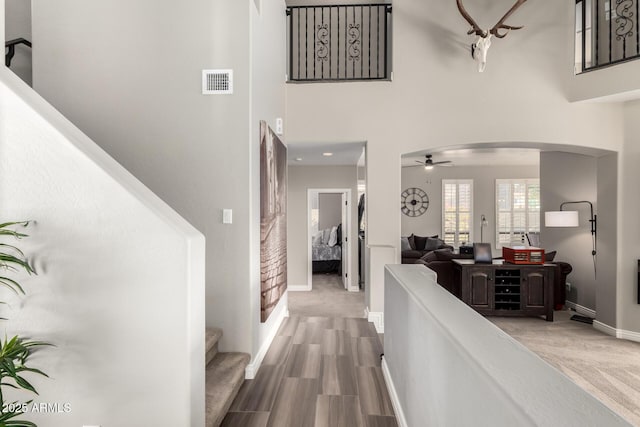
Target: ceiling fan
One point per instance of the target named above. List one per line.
(429, 164)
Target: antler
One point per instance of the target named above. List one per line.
(500, 25)
(475, 27)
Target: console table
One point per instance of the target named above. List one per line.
(501, 289)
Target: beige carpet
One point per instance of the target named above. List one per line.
(607, 367)
(328, 298)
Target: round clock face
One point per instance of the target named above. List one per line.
(414, 202)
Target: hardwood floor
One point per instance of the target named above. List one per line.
(318, 372)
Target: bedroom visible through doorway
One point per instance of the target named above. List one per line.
(329, 221)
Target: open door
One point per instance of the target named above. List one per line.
(345, 240)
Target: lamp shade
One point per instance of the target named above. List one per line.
(561, 219)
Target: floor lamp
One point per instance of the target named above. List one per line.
(483, 224)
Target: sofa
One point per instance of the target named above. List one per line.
(440, 262)
(415, 247)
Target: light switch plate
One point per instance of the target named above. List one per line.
(227, 216)
(279, 126)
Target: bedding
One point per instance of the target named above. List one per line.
(326, 252)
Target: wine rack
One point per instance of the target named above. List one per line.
(507, 289)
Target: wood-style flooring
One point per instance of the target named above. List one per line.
(319, 371)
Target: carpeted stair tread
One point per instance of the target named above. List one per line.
(211, 343)
(224, 376)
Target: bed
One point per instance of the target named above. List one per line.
(326, 251)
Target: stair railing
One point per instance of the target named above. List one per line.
(11, 45)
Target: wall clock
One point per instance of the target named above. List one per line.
(414, 202)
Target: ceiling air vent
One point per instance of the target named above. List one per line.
(216, 82)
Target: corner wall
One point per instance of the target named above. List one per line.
(142, 102)
(267, 102)
(120, 282)
(628, 315)
(566, 177)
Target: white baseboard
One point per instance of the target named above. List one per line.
(377, 318)
(393, 394)
(252, 368)
(581, 309)
(615, 332)
(298, 288)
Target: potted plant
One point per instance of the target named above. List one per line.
(15, 351)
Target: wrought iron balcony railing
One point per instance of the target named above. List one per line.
(333, 43)
(606, 33)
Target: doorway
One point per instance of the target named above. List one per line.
(328, 243)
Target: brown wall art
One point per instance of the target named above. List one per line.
(273, 220)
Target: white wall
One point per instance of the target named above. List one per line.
(484, 200)
(329, 210)
(607, 257)
(566, 177)
(611, 83)
(121, 277)
(18, 24)
(301, 178)
(128, 74)
(628, 315)
(267, 100)
(438, 99)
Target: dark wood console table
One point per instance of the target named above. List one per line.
(501, 289)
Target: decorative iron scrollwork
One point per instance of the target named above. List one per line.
(624, 19)
(322, 43)
(354, 42)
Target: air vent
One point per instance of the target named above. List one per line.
(216, 82)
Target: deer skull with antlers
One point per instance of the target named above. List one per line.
(481, 46)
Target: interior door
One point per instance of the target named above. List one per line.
(345, 241)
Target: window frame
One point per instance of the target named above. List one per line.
(527, 212)
(457, 183)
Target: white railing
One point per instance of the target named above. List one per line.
(446, 365)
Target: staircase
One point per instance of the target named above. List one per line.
(224, 376)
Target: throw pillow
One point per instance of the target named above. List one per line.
(412, 242)
(444, 255)
(431, 244)
(429, 256)
(549, 256)
(317, 239)
(333, 236)
(448, 255)
(339, 234)
(420, 242)
(326, 234)
(404, 244)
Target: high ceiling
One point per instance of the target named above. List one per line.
(311, 154)
(479, 157)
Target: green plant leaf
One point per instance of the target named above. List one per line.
(11, 284)
(25, 384)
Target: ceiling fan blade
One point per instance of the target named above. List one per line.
(420, 161)
(442, 162)
(414, 166)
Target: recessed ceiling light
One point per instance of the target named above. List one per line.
(327, 154)
(298, 159)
